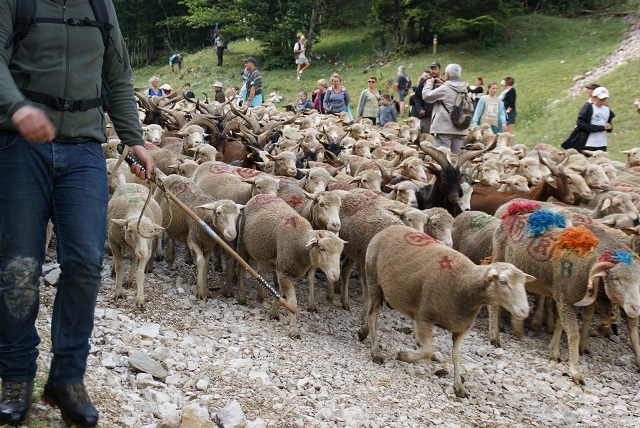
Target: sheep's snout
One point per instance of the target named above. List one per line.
(229, 235)
(632, 311)
(334, 226)
(333, 276)
(521, 313)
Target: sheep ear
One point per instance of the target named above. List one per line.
(529, 278)
(157, 230)
(396, 211)
(303, 171)
(333, 179)
(606, 204)
(312, 243)
(192, 149)
(248, 180)
(209, 206)
(240, 206)
(355, 180)
(492, 274)
(120, 221)
(310, 196)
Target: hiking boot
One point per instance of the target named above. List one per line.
(15, 402)
(74, 404)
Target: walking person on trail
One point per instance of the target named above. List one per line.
(299, 54)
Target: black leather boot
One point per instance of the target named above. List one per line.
(15, 402)
(74, 404)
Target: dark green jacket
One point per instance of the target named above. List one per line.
(67, 61)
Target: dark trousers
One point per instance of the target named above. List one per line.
(220, 52)
(66, 183)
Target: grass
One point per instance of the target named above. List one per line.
(543, 53)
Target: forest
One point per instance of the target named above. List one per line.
(154, 29)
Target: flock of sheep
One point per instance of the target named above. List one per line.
(436, 236)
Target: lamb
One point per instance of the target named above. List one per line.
(321, 210)
(223, 181)
(204, 153)
(221, 215)
(280, 240)
(515, 183)
(316, 179)
(281, 164)
(568, 263)
(152, 134)
(633, 157)
(128, 231)
(435, 285)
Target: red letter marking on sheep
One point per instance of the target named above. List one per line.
(540, 248)
(292, 221)
(294, 201)
(446, 263)
(418, 239)
(217, 168)
(248, 172)
(263, 200)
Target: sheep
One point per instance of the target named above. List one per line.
(473, 234)
(404, 192)
(281, 164)
(165, 159)
(434, 285)
(204, 153)
(192, 136)
(152, 134)
(223, 181)
(633, 157)
(412, 168)
(279, 239)
(439, 225)
(515, 183)
(121, 176)
(321, 209)
(361, 219)
(528, 167)
(221, 215)
(316, 180)
(568, 263)
(110, 149)
(132, 232)
(184, 167)
(594, 175)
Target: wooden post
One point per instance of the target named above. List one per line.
(435, 44)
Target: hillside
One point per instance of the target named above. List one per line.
(544, 54)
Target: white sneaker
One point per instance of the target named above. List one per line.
(298, 78)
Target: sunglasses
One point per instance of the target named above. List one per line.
(372, 81)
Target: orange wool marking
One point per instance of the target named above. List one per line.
(578, 238)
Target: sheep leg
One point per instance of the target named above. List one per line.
(424, 336)
(140, 268)
(159, 250)
(632, 324)
(374, 309)
(550, 316)
(231, 278)
(347, 267)
(132, 269)
(330, 292)
(118, 266)
(554, 344)
(570, 325)
(217, 259)
(202, 266)
(587, 317)
(606, 318)
(365, 291)
(170, 254)
(494, 325)
(538, 316)
(461, 391)
(289, 292)
(311, 277)
(517, 326)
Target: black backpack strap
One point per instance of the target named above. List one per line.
(25, 11)
(102, 20)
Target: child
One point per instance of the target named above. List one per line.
(386, 111)
(305, 103)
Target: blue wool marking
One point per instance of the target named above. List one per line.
(541, 220)
(623, 257)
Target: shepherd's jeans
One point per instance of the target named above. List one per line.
(66, 183)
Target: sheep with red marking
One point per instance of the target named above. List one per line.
(434, 285)
(279, 239)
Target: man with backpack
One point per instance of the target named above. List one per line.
(56, 84)
(447, 102)
(299, 55)
(175, 60)
(403, 85)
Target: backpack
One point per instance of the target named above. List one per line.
(407, 83)
(25, 18)
(462, 112)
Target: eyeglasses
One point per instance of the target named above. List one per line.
(372, 81)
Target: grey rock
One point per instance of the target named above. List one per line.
(146, 364)
(231, 416)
